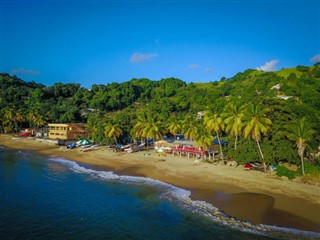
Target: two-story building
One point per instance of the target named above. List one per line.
(66, 131)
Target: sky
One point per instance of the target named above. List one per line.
(105, 41)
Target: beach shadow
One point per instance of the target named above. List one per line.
(257, 208)
(284, 219)
(245, 206)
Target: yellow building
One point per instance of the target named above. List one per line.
(66, 131)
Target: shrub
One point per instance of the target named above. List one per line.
(310, 168)
(284, 171)
(302, 68)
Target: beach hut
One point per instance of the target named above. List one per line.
(162, 146)
(84, 141)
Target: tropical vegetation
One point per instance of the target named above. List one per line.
(267, 117)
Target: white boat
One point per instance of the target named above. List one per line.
(90, 148)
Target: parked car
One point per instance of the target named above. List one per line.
(26, 134)
(71, 145)
(61, 142)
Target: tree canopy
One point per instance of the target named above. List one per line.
(172, 106)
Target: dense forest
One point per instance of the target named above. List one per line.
(270, 117)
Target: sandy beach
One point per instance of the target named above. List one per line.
(248, 195)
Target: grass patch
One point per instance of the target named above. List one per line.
(311, 179)
(284, 171)
(286, 72)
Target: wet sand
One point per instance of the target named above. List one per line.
(257, 208)
(247, 195)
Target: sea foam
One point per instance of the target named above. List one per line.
(182, 197)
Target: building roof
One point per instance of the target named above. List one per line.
(65, 124)
(58, 124)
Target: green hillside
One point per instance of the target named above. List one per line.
(285, 72)
(289, 94)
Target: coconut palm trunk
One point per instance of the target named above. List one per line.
(233, 115)
(147, 144)
(235, 143)
(235, 148)
(256, 125)
(300, 152)
(301, 132)
(220, 146)
(262, 157)
(214, 123)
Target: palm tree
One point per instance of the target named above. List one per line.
(8, 126)
(20, 117)
(112, 131)
(148, 126)
(233, 115)
(32, 117)
(154, 128)
(301, 132)
(190, 127)
(194, 129)
(142, 121)
(91, 128)
(9, 119)
(95, 125)
(204, 138)
(174, 126)
(256, 124)
(214, 123)
(39, 120)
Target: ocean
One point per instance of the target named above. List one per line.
(43, 197)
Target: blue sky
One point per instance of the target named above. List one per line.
(99, 42)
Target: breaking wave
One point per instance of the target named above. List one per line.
(183, 198)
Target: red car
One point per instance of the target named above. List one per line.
(26, 134)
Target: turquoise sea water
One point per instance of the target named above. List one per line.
(53, 198)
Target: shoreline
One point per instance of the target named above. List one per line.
(247, 195)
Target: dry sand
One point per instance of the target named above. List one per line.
(248, 195)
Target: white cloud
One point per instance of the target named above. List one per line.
(141, 57)
(23, 71)
(208, 69)
(198, 67)
(315, 58)
(269, 66)
(194, 66)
